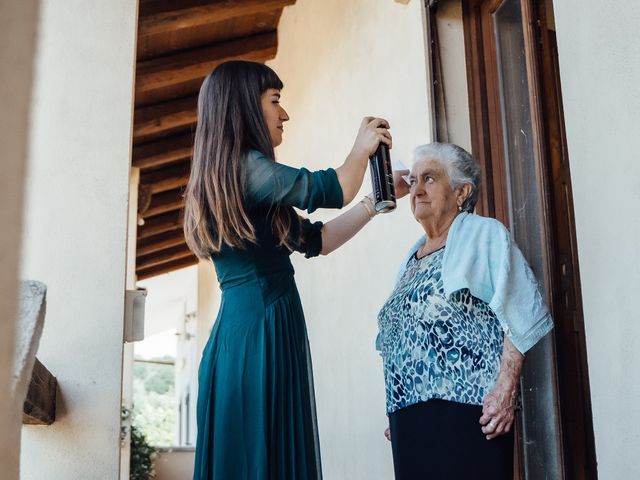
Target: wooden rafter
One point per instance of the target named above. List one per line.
(164, 117)
(164, 202)
(163, 256)
(206, 14)
(163, 152)
(160, 242)
(167, 178)
(166, 222)
(197, 63)
(179, 43)
(166, 267)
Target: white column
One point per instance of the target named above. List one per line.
(127, 354)
(75, 236)
(18, 22)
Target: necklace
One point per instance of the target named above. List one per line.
(423, 252)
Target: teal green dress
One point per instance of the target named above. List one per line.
(256, 407)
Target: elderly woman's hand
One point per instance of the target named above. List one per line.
(499, 404)
(498, 410)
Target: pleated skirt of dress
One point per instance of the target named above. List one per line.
(256, 407)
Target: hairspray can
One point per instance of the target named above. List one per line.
(384, 192)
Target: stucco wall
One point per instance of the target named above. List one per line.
(76, 226)
(600, 73)
(175, 464)
(340, 61)
(18, 22)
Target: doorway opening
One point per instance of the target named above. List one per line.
(513, 103)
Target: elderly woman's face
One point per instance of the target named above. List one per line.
(432, 197)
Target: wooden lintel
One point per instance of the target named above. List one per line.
(202, 15)
(40, 405)
(160, 224)
(166, 178)
(160, 242)
(164, 117)
(197, 63)
(164, 202)
(166, 267)
(163, 256)
(163, 152)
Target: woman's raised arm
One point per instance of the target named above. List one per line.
(341, 229)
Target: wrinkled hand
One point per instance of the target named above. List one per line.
(401, 186)
(387, 433)
(498, 410)
(372, 131)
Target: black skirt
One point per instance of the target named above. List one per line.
(442, 440)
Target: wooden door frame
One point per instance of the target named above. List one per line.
(486, 128)
(488, 148)
(575, 398)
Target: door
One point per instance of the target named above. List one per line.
(518, 137)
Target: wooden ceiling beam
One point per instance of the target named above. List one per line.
(167, 267)
(197, 63)
(163, 256)
(164, 202)
(160, 242)
(166, 22)
(164, 117)
(166, 222)
(39, 407)
(166, 178)
(163, 152)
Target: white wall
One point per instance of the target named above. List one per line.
(600, 73)
(339, 61)
(76, 227)
(18, 22)
(208, 302)
(209, 297)
(175, 464)
(454, 72)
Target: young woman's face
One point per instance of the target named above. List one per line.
(274, 115)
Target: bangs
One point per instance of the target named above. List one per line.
(269, 79)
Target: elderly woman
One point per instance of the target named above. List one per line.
(453, 334)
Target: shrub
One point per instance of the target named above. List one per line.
(142, 455)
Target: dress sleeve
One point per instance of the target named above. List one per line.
(309, 237)
(271, 183)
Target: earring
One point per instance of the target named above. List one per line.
(459, 208)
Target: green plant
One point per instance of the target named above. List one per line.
(142, 455)
(154, 397)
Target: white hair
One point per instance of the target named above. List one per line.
(459, 164)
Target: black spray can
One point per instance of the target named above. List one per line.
(384, 193)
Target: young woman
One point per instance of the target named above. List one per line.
(256, 407)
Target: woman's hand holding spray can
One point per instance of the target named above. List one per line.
(382, 179)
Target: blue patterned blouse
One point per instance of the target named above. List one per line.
(434, 347)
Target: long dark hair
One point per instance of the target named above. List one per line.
(230, 123)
